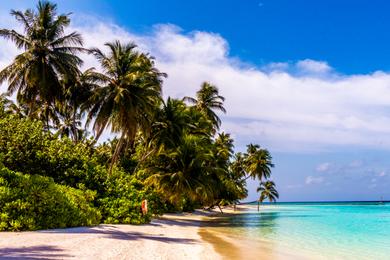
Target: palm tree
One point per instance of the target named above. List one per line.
(183, 172)
(48, 55)
(258, 162)
(207, 100)
(224, 145)
(130, 95)
(237, 166)
(267, 191)
(79, 89)
(171, 122)
(69, 125)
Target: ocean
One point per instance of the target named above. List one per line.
(322, 230)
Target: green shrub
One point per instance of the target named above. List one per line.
(26, 148)
(121, 201)
(30, 202)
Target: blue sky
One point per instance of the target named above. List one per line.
(306, 79)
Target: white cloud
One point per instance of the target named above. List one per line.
(274, 106)
(323, 167)
(313, 180)
(313, 66)
(382, 174)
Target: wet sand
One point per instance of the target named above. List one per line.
(215, 230)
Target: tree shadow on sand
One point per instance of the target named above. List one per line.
(32, 252)
(112, 232)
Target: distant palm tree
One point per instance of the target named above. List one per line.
(237, 166)
(258, 162)
(207, 100)
(267, 191)
(79, 89)
(10, 107)
(223, 150)
(70, 125)
(48, 55)
(130, 95)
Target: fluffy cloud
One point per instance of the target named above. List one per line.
(312, 66)
(285, 106)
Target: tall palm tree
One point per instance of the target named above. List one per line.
(130, 95)
(48, 54)
(207, 100)
(258, 162)
(267, 191)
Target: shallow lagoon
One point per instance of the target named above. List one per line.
(358, 230)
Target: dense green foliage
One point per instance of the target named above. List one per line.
(30, 202)
(25, 147)
(169, 152)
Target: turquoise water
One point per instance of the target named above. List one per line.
(319, 230)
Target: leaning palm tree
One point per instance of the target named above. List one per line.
(207, 100)
(258, 162)
(130, 95)
(267, 191)
(47, 55)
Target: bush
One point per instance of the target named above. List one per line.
(26, 148)
(121, 201)
(30, 202)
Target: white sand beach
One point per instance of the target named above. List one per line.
(175, 236)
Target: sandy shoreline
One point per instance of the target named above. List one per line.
(174, 236)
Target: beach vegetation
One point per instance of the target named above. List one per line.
(53, 116)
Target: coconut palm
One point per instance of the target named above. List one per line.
(258, 162)
(69, 125)
(267, 191)
(48, 54)
(224, 145)
(171, 122)
(130, 95)
(207, 100)
(79, 89)
(237, 166)
(183, 172)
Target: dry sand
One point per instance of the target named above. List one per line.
(175, 236)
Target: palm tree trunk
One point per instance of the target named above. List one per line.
(258, 206)
(74, 127)
(117, 151)
(220, 209)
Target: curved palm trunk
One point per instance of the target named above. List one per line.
(117, 152)
(74, 126)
